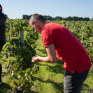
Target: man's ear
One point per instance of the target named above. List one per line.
(38, 22)
(35, 21)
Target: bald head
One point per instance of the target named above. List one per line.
(36, 17)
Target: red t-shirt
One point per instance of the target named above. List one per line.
(68, 48)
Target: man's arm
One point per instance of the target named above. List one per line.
(51, 58)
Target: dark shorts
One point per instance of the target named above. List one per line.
(73, 81)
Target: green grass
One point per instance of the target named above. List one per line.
(49, 78)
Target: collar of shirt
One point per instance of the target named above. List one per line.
(45, 26)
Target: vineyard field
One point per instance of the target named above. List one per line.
(21, 74)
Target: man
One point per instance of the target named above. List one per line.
(2, 36)
(61, 44)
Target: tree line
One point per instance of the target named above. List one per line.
(69, 18)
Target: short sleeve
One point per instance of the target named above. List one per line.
(47, 37)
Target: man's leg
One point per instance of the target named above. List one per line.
(81, 78)
(73, 81)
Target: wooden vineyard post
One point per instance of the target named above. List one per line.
(22, 36)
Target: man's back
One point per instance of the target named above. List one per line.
(67, 47)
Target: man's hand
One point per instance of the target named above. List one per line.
(51, 58)
(35, 59)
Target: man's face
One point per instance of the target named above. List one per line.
(36, 26)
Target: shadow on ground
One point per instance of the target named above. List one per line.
(58, 68)
(58, 86)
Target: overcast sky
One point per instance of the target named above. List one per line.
(64, 8)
